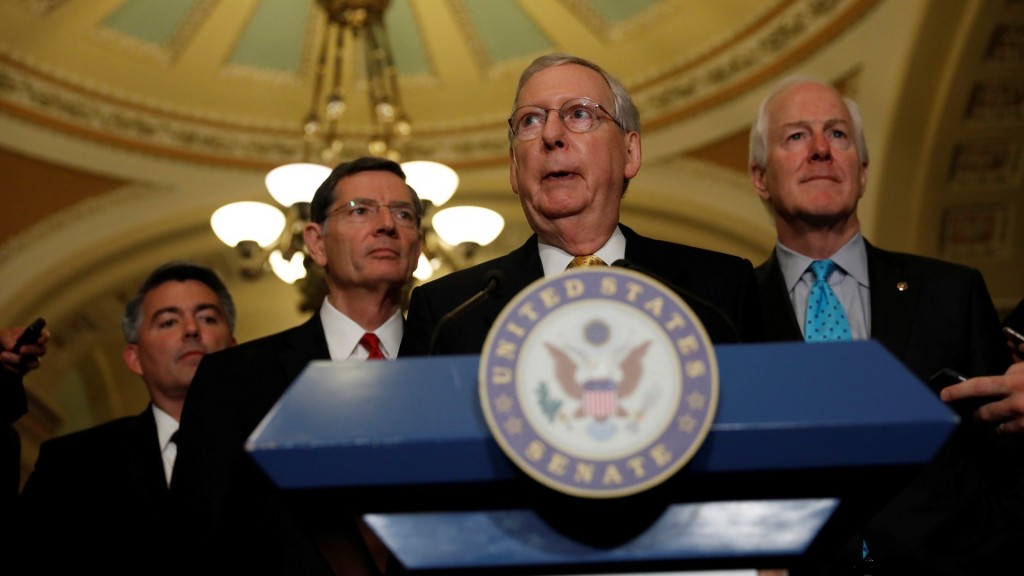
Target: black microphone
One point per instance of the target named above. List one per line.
(688, 296)
(492, 279)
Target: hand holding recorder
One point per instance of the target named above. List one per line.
(998, 400)
(23, 346)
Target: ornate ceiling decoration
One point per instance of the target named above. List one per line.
(227, 82)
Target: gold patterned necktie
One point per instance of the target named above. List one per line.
(585, 262)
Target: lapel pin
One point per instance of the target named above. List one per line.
(902, 286)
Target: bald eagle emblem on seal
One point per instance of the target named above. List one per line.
(599, 383)
(604, 382)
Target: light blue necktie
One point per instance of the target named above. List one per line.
(826, 320)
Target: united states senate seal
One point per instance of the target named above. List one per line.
(598, 383)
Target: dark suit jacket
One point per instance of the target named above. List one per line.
(931, 315)
(942, 317)
(12, 407)
(97, 499)
(234, 519)
(720, 288)
(1015, 319)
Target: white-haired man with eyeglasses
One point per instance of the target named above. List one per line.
(574, 145)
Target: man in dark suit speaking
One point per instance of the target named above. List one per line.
(824, 281)
(98, 498)
(574, 137)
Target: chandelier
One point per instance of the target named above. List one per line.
(271, 237)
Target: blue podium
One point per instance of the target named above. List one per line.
(807, 441)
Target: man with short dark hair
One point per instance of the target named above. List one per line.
(574, 145)
(364, 231)
(98, 498)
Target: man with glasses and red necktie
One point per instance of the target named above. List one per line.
(364, 231)
(574, 145)
(825, 283)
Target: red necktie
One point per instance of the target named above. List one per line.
(372, 345)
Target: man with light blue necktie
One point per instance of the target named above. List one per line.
(825, 283)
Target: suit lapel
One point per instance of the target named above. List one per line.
(303, 344)
(147, 464)
(776, 308)
(640, 252)
(521, 267)
(894, 298)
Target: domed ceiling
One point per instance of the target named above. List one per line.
(125, 123)
(228, 82)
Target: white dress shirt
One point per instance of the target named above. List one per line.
(166, 426)
(554, 259)
(343, 334)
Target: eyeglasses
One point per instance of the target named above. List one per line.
(579, 115)
(364, 210)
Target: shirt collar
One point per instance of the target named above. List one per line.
(852, 259)
(343, 333)
(166, 426)
(554, 259)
